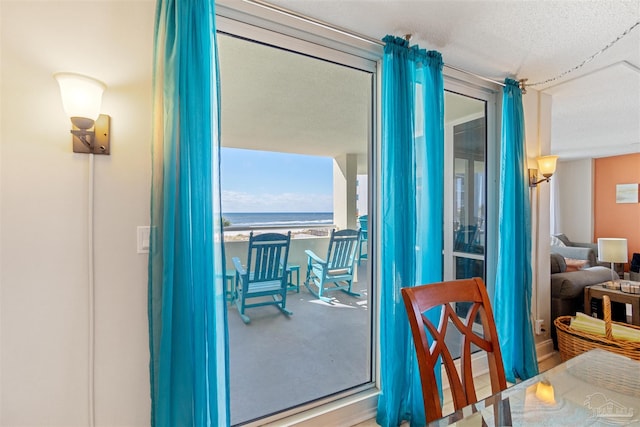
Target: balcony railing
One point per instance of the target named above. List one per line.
(297, 231)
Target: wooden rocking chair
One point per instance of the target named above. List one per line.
(337, 268)
(265, 273)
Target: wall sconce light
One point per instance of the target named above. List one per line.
(546, 166)
(82, 99)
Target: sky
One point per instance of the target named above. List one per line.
(264, 181)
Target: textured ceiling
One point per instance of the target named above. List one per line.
(596, 107)
(598, 113)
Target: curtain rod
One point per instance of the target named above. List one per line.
(352, 34)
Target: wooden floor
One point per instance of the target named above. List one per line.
(483, 388)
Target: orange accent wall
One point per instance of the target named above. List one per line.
(613, 219)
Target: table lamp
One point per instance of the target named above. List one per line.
(612, 250)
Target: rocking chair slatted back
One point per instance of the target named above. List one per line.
(267, 251)
(342, 249)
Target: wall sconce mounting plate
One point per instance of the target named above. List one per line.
(98, 138)
(533, 177)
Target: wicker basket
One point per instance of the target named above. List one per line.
(572, 343)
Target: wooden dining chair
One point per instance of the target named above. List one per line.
(429, 340)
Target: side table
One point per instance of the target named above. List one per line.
(290, 285)
(230, 291)
(598, 291)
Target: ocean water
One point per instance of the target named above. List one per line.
(246, 219)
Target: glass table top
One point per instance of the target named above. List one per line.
(597, 388)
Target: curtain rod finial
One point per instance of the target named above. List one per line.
(407, 37)
(523, 85)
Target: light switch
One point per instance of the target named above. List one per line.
(144, 233)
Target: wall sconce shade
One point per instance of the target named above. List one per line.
(81, 95)
(82, 100)
(546, 166)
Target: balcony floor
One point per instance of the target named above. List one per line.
(277, 362)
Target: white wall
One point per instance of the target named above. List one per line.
(362, 195)
(537, 109)
(575, 199)
(43, 215)
(345, 168)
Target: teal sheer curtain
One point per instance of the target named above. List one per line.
(512, 299)
(187, 312)
(412, 212)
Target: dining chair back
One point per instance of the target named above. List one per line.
(430, 344)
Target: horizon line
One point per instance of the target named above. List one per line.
(279, 212)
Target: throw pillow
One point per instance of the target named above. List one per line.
(555, 241)
(564, 239)
(575, 264)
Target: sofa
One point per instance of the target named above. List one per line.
(567, 289)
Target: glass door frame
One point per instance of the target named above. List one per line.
(283, 33)
(489, 96)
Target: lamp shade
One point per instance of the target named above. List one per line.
(81, 95)
(612, 250)
(547, 165)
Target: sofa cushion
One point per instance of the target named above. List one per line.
(575, 264)
(558, 265)
(570, 284)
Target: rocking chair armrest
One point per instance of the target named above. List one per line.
(315, 257)
(238, 265)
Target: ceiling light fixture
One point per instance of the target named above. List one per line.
(82, 99)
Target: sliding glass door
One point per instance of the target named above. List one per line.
(296, 138)
(468, 197)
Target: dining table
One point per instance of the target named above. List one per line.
(595, 388)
